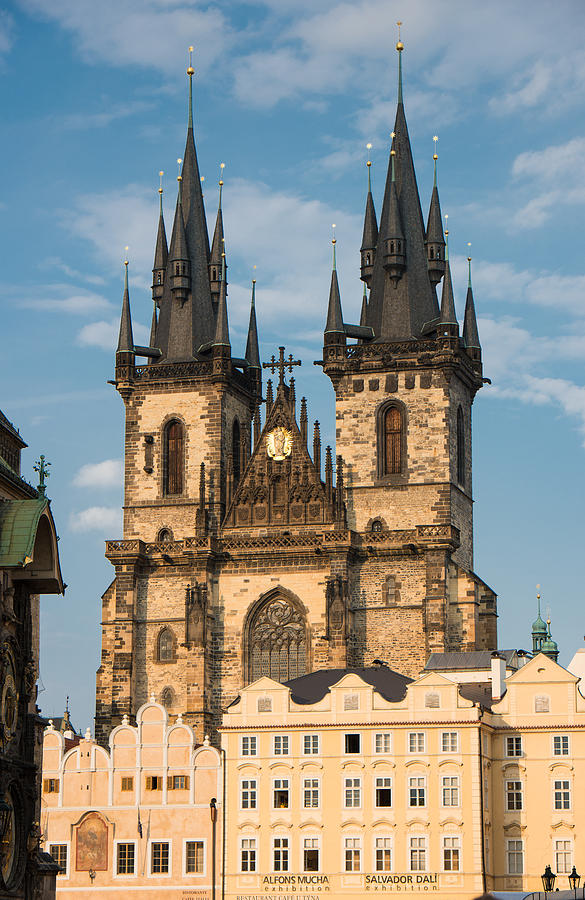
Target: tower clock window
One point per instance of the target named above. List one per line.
(173, 458)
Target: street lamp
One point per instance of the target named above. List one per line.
(548, 880)
(574, 880)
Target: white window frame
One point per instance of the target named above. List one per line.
(561, 737)
(305, 778)
(248, 737)
(288, 790)
(515, 790)
(450, 788)
(444, 848)
(409, 787)
(417, 735)
(353, 788)
(385, 777)
(284, 741)
(255, 848)
(198, 840)
(382, 837)
(255, 789)
(67, 844)
(508, 851)
(562, 790)
(287, 838)
(564, 840)
(450, 749)
(310, 837)
(161, 840)
(311, 736)
(383, 735)
(352, 837)
(508, 755)
(115, 872)
(425, 847)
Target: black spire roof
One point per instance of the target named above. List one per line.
(470, 332)
(334, 314)
(252, 349)
(399, 308)
(125, 337)
(448, 314)
(222, 334)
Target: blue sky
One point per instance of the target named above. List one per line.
(287, 94)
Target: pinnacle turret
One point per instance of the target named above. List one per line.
(435, 242)
(470, 332)
(252, 349)
(217, 246)
(125, 336)
(370, 233)
(161, 253)
(222, 336)
(448, 314)
(334, 330)
(394, 242)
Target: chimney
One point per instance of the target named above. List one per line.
(498, 666)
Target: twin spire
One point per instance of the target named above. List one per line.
(402, 262)
(189, 286)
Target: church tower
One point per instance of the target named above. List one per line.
(404, 394)
(247, 551)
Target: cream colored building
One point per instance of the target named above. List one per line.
(354, 782)
(135, 821)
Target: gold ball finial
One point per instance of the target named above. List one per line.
(126, 255)
(254, 270)
(333, 239)
(160, 187)
(399, 44)
(393, 152)
(190, 69)
(368, 148)
(435, 139)
(469, 257)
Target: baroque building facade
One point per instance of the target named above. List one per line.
(249, 551)
(29, 567)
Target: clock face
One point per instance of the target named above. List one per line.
(8, 703)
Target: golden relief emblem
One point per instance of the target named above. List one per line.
(279, 443)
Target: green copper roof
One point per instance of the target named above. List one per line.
(539, 626)
(19, 520)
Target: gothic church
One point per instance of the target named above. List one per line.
(248, 551)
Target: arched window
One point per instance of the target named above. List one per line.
(277, 641)
(236, 450)
(173, 460)
(393, 435)
(167, 697)
(166, 646)
(460, 447)
(165, 536)
(376, 526)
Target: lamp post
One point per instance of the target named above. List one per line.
(213, 814)
(548, 880)
(574, 880)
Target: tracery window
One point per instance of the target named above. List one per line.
(167, 698)
(166, 645)
(393, 433)
(236, 450)
(173, 458)
(277, 641)
(460, 447)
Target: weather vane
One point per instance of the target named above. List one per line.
(42, 467)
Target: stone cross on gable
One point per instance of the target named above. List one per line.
(281, 364)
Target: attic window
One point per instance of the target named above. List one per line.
(541, 704)
(351, 701)
(264, 704)
(432, 701)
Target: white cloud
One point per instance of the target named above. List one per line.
(104, 334)
(113, 113)
(6, 32)
(82, 303)
(143, 33)
(108, 473)
(107, 519)
(74, 274)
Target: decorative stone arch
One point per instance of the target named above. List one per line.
(276, 638)
(391, 440)
(168, 698)
(165, 535)
(165, 648)
(377, 524)
(173, 456)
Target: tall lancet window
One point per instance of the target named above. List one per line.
(277, 641)
(236, 450)
(174, 452)
(460, 447)
(393, 437)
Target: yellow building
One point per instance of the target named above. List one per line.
(145, 816)
(358, 781)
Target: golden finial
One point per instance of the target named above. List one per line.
(469, 251)
(369, 162)
(126, 255)
(190, 69)
(221, 168)
(253, 279)
(446, 223)
(333, 238)
(399, 45)
(160, 175)
(393, 152)
(392, 134)
(435, 139)
(179, 164)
